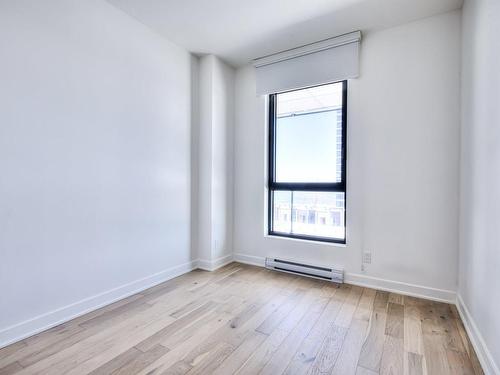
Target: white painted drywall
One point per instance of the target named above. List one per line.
(95, 113)
(195, 159)
(403, 151)
(479, 260)
(215, 161)
(222, 143)
(205, 242)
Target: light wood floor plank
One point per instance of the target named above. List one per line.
(365, 305)
(244, 319)
(459, 363)
(346, 313)
(241, 354)
(212, 360)
(57, 339)
(282, 357)
(371, 353)
(327, 356)
(364, 371)
(277, 316)
(348, 357)
(311, 345)
(392, 362)
(12, 368)
(176, 355)
(394, 325)
(434, 348)
(413, 364)
(413, 342)
(14, 348)
(269, 347)
(232, 328)
(468, 347)
(177, 325)
(396, 298)
(117, 362)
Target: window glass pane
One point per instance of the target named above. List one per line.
(318, 214)
(309, 135)
(282, 214)
(307, 213)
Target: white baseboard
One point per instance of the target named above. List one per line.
(482, 352)
(250, 259)
(434, 294)
(212, 265)
(374, 282)
(51, 319)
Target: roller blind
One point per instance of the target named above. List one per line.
(330, 60)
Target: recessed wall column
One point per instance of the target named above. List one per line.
(215, 162)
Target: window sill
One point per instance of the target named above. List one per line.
(309, 241)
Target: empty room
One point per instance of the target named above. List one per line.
(250, 187)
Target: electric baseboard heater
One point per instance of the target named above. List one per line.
(335, 275)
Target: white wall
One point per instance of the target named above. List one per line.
(195, 156)
(479, 277)
(223, 136)
(403, 151)
(215, 162)
(205, 156)
(95, 115)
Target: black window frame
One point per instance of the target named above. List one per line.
(339, 187)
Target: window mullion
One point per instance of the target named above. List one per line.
(333, 187)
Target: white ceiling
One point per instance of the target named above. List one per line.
(239, 31)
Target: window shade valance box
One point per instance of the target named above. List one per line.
(329, 60)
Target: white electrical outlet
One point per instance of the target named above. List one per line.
(367, 257)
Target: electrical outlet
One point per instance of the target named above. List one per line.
(367, 257)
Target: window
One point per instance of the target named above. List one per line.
(307, 163)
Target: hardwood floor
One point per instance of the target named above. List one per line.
(249, 320)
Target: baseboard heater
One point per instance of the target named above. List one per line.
(318, 272)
